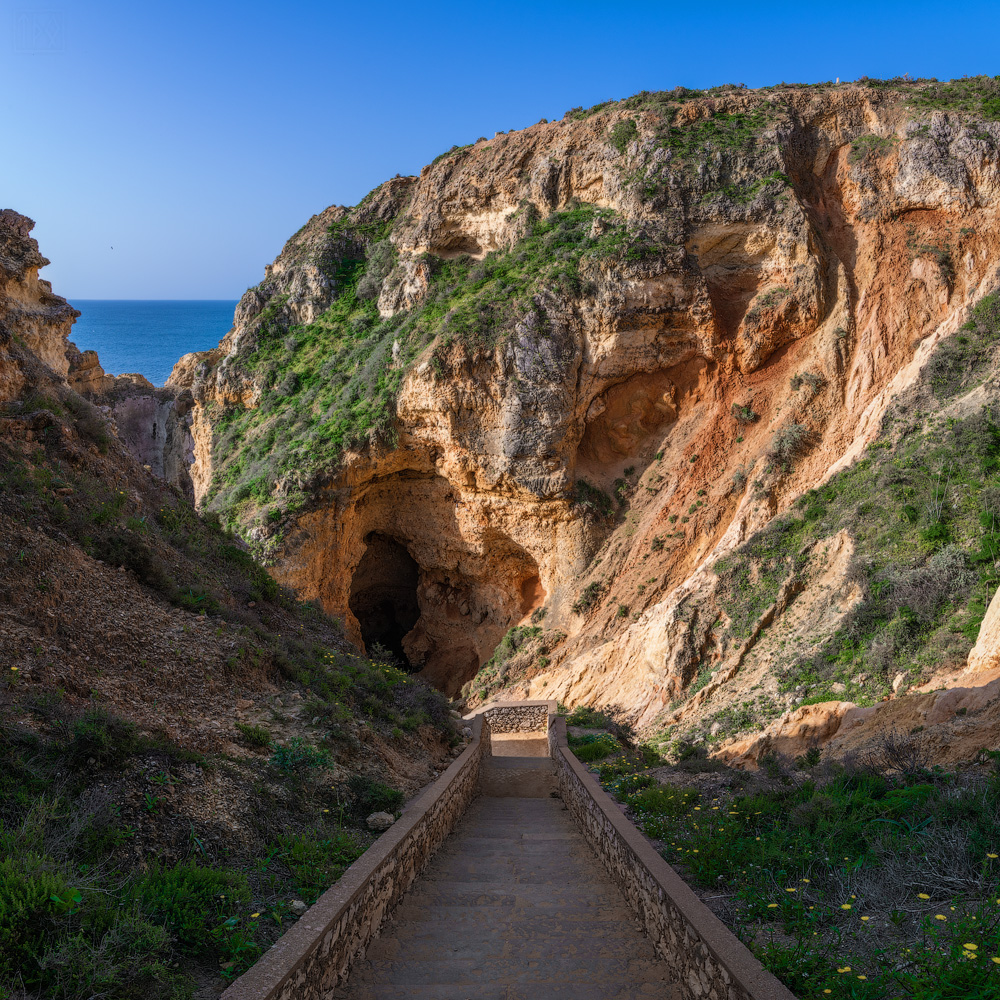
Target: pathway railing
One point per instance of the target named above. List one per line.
(316, 955)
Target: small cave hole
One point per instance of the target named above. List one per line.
(384, 595)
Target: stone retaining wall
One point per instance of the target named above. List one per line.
(519, 717)
(315, 955)
(700, 950)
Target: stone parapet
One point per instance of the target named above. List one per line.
(701, 951)
(519, 716)
(315, 956)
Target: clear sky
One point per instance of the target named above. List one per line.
(195, 137)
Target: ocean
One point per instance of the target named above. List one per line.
(144, 336)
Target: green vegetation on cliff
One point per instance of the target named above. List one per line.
(923, 510)
(332, 385)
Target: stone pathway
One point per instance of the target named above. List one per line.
(514, 906)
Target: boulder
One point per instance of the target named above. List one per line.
(380, 821)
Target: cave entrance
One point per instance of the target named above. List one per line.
(384, 595)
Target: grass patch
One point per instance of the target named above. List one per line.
(853, 882)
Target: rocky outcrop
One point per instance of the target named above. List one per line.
(28, 306)
(758, 276)
(154, 424)
(984, 658)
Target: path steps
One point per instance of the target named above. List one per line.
(513, 906)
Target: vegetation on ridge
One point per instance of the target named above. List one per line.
(331, 385)
(922, 507)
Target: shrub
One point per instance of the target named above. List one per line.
(315, 860)
(90, 422)
(664, 801)
(622, 133)
(584, 715)
(373, 796)
(26, 891)
(744, 414)
(789, 441)
(593, 500)
(963, 360)
(382, 258)
(590, 749)
(191, 900)
(122, 548)
(588, 597)
(255, 736)
(102, 737)
(197, 600)
(296, 754)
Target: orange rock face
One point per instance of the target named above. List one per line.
(838, 282)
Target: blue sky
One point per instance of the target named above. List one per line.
(194, 138)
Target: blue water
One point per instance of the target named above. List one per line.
(133, 335)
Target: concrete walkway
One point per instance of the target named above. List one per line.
(514, 906)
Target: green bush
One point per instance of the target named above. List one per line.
(101, 737)
(255, 736)
(297, 755)
(594, 501)
(193, 901)
(27, 911)
(316, 860)
(590, 749)
(373, 796)
(588, 597)
(622, 133)
(744, 414)
(663, 802)
(963, 361)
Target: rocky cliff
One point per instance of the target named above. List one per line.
(170, 720)
(581, 387)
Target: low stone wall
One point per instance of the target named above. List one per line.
(519, 717)
(315, 955)
(700, 950)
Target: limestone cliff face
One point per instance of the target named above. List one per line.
(760, 274)
(153, 424)
(27, 305)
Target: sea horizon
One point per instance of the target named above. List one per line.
(148, 336)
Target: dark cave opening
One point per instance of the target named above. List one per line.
(384, 595)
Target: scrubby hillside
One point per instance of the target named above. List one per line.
(186, 751)
(665, 404)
